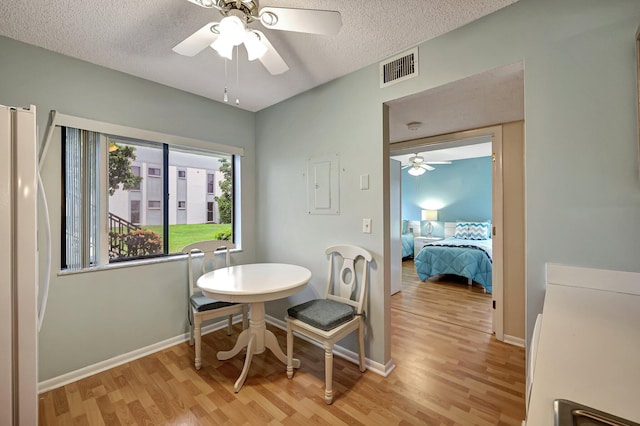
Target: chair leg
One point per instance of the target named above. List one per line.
(229, 325)
(361, 347)
(289, 351)
(328, 373)
(190, 327)
(197, 326)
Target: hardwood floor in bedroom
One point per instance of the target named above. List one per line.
(446, 373)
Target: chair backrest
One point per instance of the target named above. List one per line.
(343, 285)
(210, 259)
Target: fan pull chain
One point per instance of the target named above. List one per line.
(237, 73)
(225, 97)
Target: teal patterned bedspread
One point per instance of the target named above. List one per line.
(407, 245)
(467, 258)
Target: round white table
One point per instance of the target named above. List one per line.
(254, 284)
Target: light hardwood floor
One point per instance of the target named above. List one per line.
(447, 372)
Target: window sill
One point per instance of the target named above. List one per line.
(134, 263)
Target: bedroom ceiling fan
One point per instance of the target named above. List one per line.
(233, 30)
(418, 166)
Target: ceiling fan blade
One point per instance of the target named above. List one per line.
(271, 60)
(427, 167)
(327, 22)
(437, 162)
(197, 41)
(209, 4)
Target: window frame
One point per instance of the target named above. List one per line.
(234, 154)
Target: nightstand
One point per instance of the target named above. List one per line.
(419, 242)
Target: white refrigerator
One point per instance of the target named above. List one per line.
(18, 267)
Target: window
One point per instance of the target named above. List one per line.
(210, 183)
(135, 211)
(210, 212)
(100, 184)
(135, 170)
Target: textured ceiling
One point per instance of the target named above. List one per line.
(136, 37)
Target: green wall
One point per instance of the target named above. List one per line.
(92, 317)
(582, 189)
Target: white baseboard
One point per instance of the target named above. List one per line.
(375, 367)
(98, 367)
(73, 376)
(512, 340)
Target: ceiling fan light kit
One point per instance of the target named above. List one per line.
(233, 30)
(417, 166)
(416, 171)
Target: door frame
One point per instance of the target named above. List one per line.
(497, 205)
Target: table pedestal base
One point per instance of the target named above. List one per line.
(256, 338)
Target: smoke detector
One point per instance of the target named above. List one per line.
(414, 125)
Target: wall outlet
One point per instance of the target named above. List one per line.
(366, 226)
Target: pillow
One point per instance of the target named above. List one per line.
(462, 231)
(473, 230)
(405, 225)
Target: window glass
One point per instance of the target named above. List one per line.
(203, 208)
(136, 172)
(128, 191)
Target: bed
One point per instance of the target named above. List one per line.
(465, 251)
(410, 229)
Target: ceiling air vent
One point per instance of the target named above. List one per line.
(399, 68)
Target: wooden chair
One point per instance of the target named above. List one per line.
(202, 308)
(340, 312)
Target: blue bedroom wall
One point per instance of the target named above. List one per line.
(459, 191)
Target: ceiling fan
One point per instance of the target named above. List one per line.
(233, 30)
(418, 166)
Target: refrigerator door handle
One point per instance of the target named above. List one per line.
(47, 271)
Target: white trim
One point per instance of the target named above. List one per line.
(59, 119)
(375, 367)
(513, 340)
(90, 370)
(107, 364)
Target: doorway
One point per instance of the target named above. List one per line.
(496, 96)
(480, 149)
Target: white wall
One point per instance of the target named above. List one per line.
(94, 316)
(583, 194)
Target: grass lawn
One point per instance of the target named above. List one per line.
(183, 235)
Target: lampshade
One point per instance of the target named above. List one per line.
(255, 48)
(232, 33)
(223, 47)
(232, 29)
(429, 215)
(416, 171)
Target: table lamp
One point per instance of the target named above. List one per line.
(429, 215)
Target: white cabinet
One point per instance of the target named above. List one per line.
(419, 242)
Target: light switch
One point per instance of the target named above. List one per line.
(364, 181)
(366, 226)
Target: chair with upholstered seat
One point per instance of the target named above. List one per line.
(337, 315)
(202, 308)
